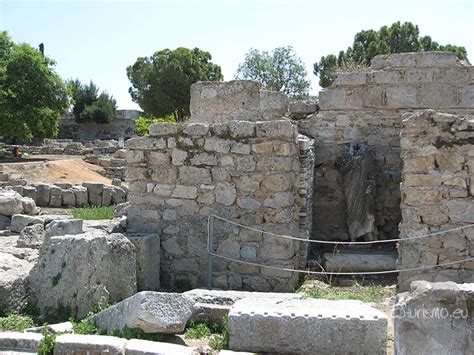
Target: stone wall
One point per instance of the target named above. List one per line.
(366, 108)
(244, 171)
(90, 131)
(221, 102)
(69, 195)
(437, 194)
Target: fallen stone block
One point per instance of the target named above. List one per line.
(64, 227)
(68, 344)
(19, 342)
(20, 221)
(10, 203)
(214, 305)
(13, 281)
(434, 318)
(153, 312)
(76, 271)
(31, 237)
(64, 327)
(359, 262)
(307, 326)
(145, 347)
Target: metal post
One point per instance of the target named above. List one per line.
(210, 243)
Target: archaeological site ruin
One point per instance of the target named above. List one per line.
(240, 204)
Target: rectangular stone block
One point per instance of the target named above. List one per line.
(307, 326)
(147, 250)
(68, 344)
(19, 342)
(145, 347)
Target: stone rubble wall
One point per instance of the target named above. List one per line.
(244, 171)
(90, 131)
(68, 195)
(65, 147)
(437, 194)
(366, 107)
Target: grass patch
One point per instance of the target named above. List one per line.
(94, 212)
(16, 323)
(365, 293)
(218, 334)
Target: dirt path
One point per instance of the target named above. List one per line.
(62, 169)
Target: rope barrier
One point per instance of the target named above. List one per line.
(339, 273)
(340, 243)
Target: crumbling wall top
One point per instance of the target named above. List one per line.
(221, 102)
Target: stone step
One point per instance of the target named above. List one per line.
(307, 326)
(359, 262)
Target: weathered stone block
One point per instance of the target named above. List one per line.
(147, 253)
(67, 344)
(163, 129)
(434, 318)
(16, 342)
(307, 326)
(153, 312)
(145, 347)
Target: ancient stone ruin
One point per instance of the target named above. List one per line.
(244, 160)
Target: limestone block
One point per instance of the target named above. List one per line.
(178, 156)
(43, 194)
(64, 327)
(64, 227)
(307, 326)
(241, 129)
(351, 79)
(69, 198)
(204, 159)
(31, 237)
(145, 347)
(277, 182)
(461, 210)
(145, 143)
(302, 107)
(273, 104)
(153, 312)
(147, 251)
(67, 344)
(134, 156)
(401, 97)
(360, 262)
(163, 190)
(240, 148)
(220, 102)
(196, 129)
(16, 342)
(81, 196)
(163, 129)
(158, 158)
(434, 318)
(275, 129)
(30, 191)
(20, 221)
(182, 191)
(13, 281)
(217, 145)
(225, 194)
(10, 203)
(76, 271)
(94, 193)
(342, 98)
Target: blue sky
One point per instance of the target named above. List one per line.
(97, 40)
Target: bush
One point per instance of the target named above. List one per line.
(15, 322)
(142, 123)
(94, 212)
(46, 346)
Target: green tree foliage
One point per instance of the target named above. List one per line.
(161, 83)
(398, 38)
(89, 106)
(32, 95)
(280, 70)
